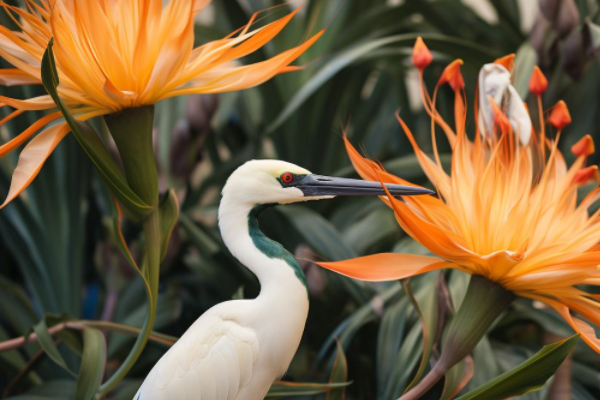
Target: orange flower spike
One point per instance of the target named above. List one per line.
(585, 175)
(507, 62)
(452, 76)
(105, 69)
(560, 116)
(505, 213)
(421, 56)
(538, 82)
(584, 147)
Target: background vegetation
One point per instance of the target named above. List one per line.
(56, 255)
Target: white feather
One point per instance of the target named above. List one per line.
(238, 348)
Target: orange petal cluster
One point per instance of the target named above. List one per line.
(506, 210)
(117, 54)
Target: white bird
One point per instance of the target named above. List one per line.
(236, 349)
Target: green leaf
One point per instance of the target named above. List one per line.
(92, 145)
(92, 364)
(131, 130)
(355, 53)
(168, 214)
(205, 243)
(528, 376)
(339, 373)
(457, 378)
(46, 341)
(594, 33)
(282, 389)
(427, 310)
(525, 60)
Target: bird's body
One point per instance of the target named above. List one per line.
(238, 348)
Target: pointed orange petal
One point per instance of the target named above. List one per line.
(32, 159)
(15, 76)
(560, 116)
(27, 133)
(452, 75)
(386, 266)
(586, 331)
(421, 56)
(507, 62)
(585, 175)
(538, 83)
(584, 147)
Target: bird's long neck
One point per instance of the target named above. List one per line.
(276, 269)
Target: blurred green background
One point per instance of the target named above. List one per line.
(56, 255)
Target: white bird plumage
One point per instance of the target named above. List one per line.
(238, 348)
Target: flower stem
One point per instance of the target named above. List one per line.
(151, 272)
(425, 384)
(484, 302)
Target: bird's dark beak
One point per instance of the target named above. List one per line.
(319, 185)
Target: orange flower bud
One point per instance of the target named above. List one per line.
(500, 118)
(560, 117)
(507, 62)
(452, 75)
(585, 175)
(584, 147)
(538, 83)
(421, 57)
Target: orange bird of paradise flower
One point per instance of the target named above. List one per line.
(117, 54)
(508, 207)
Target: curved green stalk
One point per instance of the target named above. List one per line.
(150, 273)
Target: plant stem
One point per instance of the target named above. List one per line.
(425, 384)
(80, 325)
(151, 271)
(484, 302)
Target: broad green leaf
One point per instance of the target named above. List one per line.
(339, 374)
(92, 364)
(91, 143)
(528, 376)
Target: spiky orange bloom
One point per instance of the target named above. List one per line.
(507, 210)
(118, 54)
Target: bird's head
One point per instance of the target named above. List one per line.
(280, 182)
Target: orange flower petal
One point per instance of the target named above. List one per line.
(27, 133)
(421, 56)
(586, 331)
(507, 62)
(584, 175)
(452, 76)
(15, 76)
(560, 116)
(32, 159)
(386, 266)
(538, 83)
(584, 147)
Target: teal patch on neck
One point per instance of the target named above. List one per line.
(271, 248)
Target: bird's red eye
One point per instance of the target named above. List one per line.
(287, 177)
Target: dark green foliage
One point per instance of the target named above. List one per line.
(58, 253)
